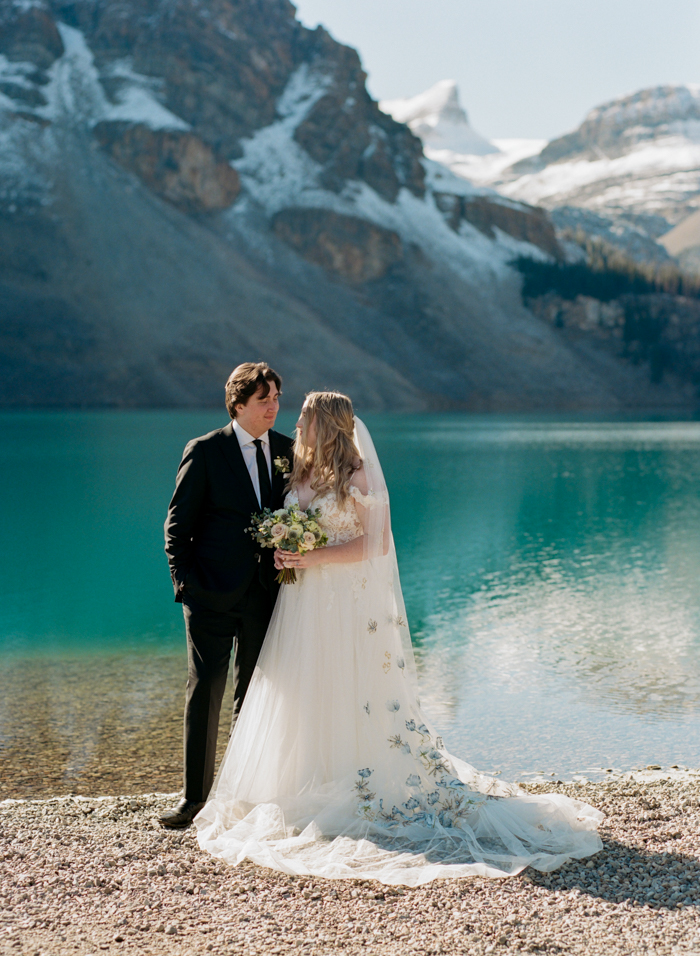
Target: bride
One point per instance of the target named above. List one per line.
(332, 769)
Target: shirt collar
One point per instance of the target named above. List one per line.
(245, 439)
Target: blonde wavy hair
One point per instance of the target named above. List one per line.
(334, 457)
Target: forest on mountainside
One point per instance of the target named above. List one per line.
(648, 313)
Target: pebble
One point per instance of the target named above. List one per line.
(92, 875)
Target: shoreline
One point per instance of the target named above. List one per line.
(89, 875)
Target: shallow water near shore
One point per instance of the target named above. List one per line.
(550, 571)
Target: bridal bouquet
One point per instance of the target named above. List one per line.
(290, 529)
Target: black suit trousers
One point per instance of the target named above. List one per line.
(211, 635)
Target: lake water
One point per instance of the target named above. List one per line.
(551, 572)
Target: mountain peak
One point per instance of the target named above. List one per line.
(438, 118)
(620, 125)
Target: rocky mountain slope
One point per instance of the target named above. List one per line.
(184, 186)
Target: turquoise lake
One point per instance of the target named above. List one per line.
(551, 573)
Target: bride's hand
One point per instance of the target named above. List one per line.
(290, 559)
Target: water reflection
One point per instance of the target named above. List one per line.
(94, 725)
(552, 589)
(550, 573)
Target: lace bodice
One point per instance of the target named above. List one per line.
(340, 521)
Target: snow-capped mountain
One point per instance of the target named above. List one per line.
(628, 173)
(184, 186)
(437, 117)
(636, 155)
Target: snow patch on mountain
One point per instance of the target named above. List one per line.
(492, 168)
(16, 73)
(74, 92)
(274, 169)
(276, 173)
(137, 99)
(438, 119)
(653, 179)
(74, 96)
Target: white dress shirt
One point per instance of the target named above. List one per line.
(249, 455)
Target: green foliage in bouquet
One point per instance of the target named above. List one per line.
(290, 529)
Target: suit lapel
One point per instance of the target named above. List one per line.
(234, 456)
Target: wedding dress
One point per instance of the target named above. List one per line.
(333, 770)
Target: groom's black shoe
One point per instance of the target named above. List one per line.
(180, 816)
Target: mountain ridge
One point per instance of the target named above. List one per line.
(186, 187)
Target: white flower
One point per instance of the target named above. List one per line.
(278, 530)
(309, 539)
(280, 513)
(301, 515)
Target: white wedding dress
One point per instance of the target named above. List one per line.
(333, 770)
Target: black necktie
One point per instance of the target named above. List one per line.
(263, 475)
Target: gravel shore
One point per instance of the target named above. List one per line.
(87, 875)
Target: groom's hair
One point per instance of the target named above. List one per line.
(245, 380)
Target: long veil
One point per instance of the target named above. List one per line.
(380, 552)
(379, 548)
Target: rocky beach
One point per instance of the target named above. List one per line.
(87, 875)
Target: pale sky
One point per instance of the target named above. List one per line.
(530, 68)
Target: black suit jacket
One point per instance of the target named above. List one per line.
(211, 553)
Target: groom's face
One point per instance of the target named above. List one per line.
(259, 412)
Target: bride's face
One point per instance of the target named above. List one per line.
(310, 425)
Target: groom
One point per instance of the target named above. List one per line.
(225, 582)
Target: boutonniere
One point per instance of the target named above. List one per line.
(282, 466)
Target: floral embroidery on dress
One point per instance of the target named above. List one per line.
(400, 744)
(387, 663)
(364, 794)
(393, 705)
(366, 708)
(446, 803)
(422, 729)
(372, 626)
